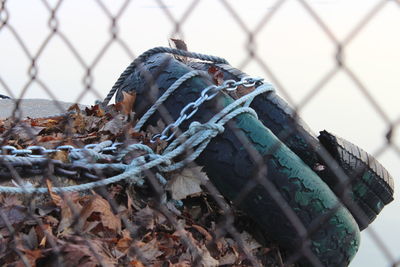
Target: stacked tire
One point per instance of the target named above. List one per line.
(273, 159)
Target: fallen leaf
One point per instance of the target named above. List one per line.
(124, 243)
(249, 241)
(61, 155)
(216, 74)
(97, 204)
(206, 259)
(202, 231)
(243, 90)
(9, 200)
(228, 259)
(14, 214)
(44, 232)
(79, 125)
(24, 132)
(148, 251)
(69, 206)
(31, 256)
(181, 45)
(136, 263)
(145, 218)
(74, 107)
(127, 103)
(57, 200)
(186, 183)
(95, 110)
(115, 125)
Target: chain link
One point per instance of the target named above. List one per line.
(42, 152)
(207, 94)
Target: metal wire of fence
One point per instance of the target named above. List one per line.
(171, 233)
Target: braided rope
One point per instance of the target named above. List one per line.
(143, 57)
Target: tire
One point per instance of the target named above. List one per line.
(368, 194)
(229, 162)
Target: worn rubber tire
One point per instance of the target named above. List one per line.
(230, 165)
(358, 163)
(368, 195)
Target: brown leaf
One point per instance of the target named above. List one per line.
(124, 243)
(136, 263)
(74, 107)
(79, 125)
(115, 125)
(216, 74)
(60, 155)
(249, 241)
(25, 132)
(127, 103)
(186, 183)
(243, 90)
(32, 256)
(14, 214)
(149, 250)
(44, 232)
(95, 110)
(48, 138)
(57, 200)
(9, 200)
(79, 251)
(181, 45)
(97, 204)
(148, 218)
(68, 204)
(203, 231)
(45, 122)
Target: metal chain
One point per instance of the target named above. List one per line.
(42, 152)
(206, 95)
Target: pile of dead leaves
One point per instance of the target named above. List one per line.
(122, 225)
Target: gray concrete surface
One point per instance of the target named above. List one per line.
(34, 108)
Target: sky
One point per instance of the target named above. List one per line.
(294, 47)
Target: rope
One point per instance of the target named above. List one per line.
(143, 57)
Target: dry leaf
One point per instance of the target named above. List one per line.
(186, 183)
(127, 103)
(216, 74)
(95, 110)
(206, 259)
(69, 206)
(148, 218)
(97, 204)
(124, 243)
(115, 125)
(57, 200)
(249, 241)
(61, 155)
(181, 45)
(149, 250)
(14, 214)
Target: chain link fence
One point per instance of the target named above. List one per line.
(334, 62)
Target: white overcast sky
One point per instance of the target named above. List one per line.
(294, 47)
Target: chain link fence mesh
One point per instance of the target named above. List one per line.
(74, 52)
